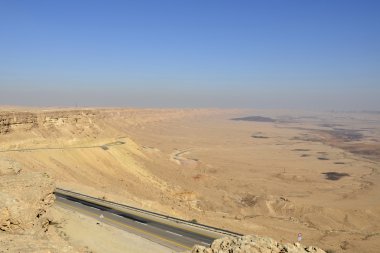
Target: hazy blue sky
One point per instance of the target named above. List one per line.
(322, 54)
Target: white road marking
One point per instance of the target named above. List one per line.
(170, 232)
(142, 223)
(117, 215)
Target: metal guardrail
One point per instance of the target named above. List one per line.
(158, 215)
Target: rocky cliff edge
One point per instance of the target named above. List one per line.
(254, 244)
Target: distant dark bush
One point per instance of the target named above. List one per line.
(259, 137)
(255, 118)
(335, 175)
(104, 147)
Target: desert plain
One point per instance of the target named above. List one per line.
(272, 173)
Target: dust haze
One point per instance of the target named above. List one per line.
(191, 96)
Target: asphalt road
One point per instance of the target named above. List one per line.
(172, 237)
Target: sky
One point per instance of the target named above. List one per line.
(290, 54)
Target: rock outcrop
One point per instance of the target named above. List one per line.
(253, 244)
(19, 120)
(25, 199)
(85, 121)
(13, 122)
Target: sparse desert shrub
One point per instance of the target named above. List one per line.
(332, 175)
(104, 147)
(249, 200)
(259, 137)
(193, 221)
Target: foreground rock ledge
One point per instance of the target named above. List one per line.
(25, 212)
(253, 244)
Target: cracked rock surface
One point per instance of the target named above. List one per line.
(25, 201)
(254, 244)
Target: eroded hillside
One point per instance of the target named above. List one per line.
(273, 178)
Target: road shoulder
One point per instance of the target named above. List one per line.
(83, 231)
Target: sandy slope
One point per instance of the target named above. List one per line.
(252, 177)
